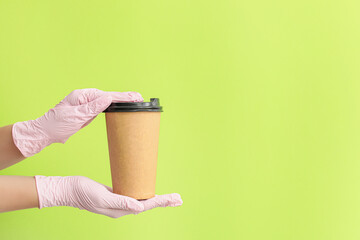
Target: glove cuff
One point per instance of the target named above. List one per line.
(29, 138)
(52, 191)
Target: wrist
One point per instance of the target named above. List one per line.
(29, 137)
(54, 191)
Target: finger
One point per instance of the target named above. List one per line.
(93, 108)
(126, 97)
(167, 200)
(125, 203)
(83, 96)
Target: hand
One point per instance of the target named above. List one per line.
(74, 112)
(84, 193)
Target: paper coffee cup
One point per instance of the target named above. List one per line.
(133, 137)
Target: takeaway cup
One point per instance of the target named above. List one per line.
(133, 137)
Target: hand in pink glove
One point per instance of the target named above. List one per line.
(84, 193)
(76, 111)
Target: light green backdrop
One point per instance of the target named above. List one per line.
(261, 129)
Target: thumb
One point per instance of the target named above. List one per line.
(125, 203)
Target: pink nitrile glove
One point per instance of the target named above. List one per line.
(87, 194)
(74, 112)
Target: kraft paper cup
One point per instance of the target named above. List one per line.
(133, 137)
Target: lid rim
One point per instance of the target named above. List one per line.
(152, 106)
(133, 110)
(131, 104)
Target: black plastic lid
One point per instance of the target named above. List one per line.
(152, 106)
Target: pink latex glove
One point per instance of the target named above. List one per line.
(84, 193)
(74, 112)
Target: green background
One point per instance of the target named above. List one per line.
(261, 129)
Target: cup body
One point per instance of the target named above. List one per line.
(133, 139)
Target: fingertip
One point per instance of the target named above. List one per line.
(137, 97)
(176, 196)
(177, 203)
(174, 200)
